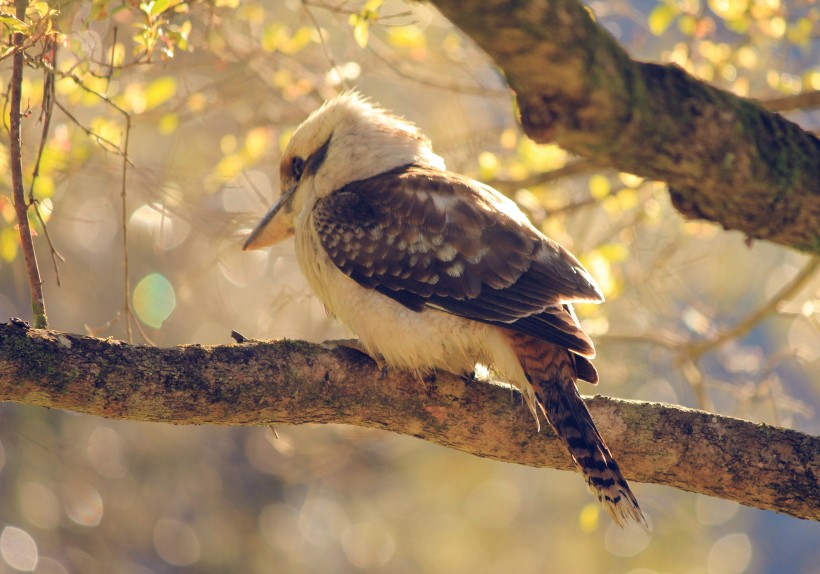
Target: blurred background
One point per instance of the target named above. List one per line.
(202, 97)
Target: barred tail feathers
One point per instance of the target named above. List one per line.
(552, 372)
(568, 414)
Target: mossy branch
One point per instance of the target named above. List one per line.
(725, 158)
(262, 383)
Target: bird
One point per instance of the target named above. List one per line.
(432, 270)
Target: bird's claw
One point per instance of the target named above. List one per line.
(357, 345)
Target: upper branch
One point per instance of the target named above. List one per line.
(293, 382)
(726, 159)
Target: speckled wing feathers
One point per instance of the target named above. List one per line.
(429, 238)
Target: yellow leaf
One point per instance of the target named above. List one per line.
(811, 80)
(660, 18)
(630, 180)
(301, 38)
(361, 32)
(44, 186)
(256, 142)
(168, 124)
(8, 243)
(688, 24)
(729, 9)
(160, 91)
(41, 8)
(614, 252)
(599, 186)
(284, 139)
(588, 519)
(406, 37)
(488, 165)
(541, 157)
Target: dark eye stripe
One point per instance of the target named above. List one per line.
(297, 166)
(317, 158)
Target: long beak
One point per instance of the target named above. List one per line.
(274, 227)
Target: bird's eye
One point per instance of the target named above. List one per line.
(297, 166)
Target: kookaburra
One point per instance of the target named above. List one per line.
(433, 270)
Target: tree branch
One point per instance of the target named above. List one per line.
(261, 383)
(38, 304)
(725, 158)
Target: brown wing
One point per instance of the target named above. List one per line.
(429, 238)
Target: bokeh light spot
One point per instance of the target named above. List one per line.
(176, 543)
(47, 565)
(368, 545)
(18, 549)
(732, 554)
(40, 506)
(95, 225)
(167, 231)
(83, 504)
(494, 503)
(154, 300)
(714, 511)
(104, 451)
(626, 542)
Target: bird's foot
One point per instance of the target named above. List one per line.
(470, 377)
(357, 345)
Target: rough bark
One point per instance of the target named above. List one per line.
(725, 158)
(260, 383)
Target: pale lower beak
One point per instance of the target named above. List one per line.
(276, 226)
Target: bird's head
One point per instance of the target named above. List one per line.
(345, 140)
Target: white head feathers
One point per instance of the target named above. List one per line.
(362, 140)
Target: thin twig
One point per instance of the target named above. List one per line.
(45, 117)
(427, 78)
(697, 349)
(328, 55)
(55, 255)
(664, 339)
(38, 305)
(77, 80)
(575, 168)
(103, 142)
(801, 101)
(111, 65)
(123, 196)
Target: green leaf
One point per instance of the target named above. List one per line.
(41, 8)
(13, 23)
(159, 6)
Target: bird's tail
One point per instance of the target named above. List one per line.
(552, 373)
